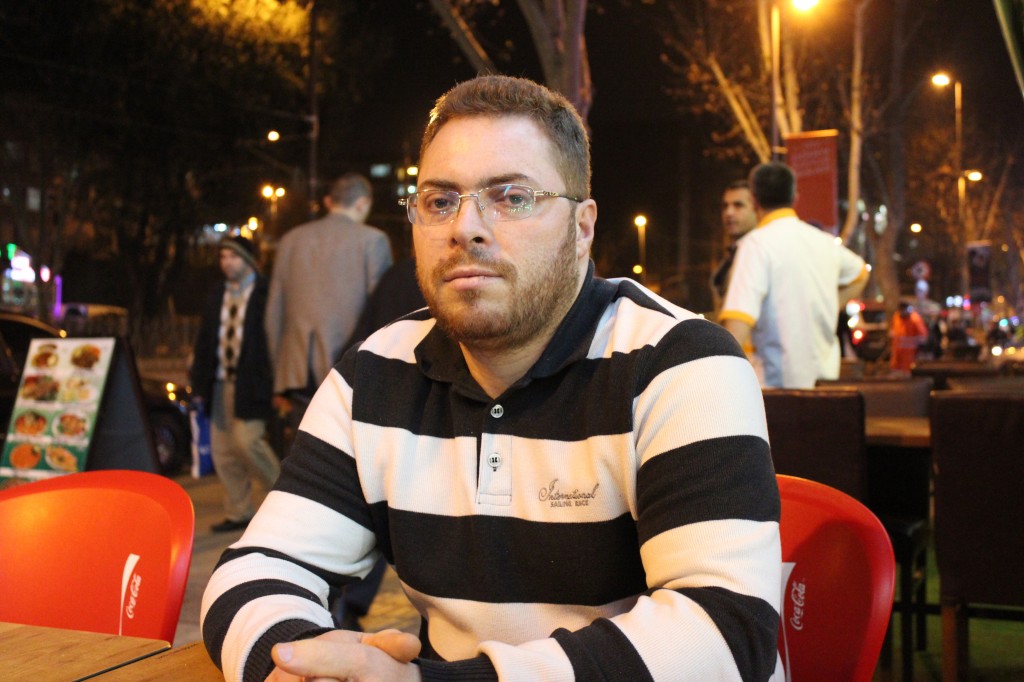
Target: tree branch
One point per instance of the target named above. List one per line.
(462, 34)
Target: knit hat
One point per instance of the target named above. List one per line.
(244, 248)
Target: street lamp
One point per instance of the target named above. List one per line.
(942, 80)
(641, 232)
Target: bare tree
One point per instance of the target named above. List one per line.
(557, 30)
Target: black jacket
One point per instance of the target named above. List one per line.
(254, 380)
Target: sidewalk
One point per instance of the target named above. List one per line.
(390, 609)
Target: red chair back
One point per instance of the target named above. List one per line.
(101, 551)
(838, 581)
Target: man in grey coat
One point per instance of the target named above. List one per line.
(324, 272)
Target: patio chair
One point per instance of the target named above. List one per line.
(838, 581)
(819, 434)
(101, 551)
(976, 449)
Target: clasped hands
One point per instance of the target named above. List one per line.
(348, 656)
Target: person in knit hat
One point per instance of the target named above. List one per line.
(245, 248)
(232, 379)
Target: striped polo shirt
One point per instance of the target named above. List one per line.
(614, 512)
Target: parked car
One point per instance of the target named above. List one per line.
(869, 329)
(166, 403)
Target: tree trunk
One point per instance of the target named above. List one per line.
(885, 265)
(856, 125)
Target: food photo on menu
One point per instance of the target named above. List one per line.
(56, 407)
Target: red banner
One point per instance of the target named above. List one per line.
(813, 156)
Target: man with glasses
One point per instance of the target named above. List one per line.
(570, 476)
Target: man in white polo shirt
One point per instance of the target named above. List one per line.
(788, 282)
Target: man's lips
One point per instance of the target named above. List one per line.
(467, 273)
(462, 278)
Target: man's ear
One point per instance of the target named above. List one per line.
(586, 220)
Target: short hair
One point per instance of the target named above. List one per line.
(742, 183)
(773, 185)
(499, 96)
(349, 188)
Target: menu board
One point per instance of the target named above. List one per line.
(56, 408)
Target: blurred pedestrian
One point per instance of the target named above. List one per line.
(323, 273)
(788, 282)
(231, 377)
(738, 218)
(908, 332)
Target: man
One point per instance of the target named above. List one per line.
(788, 282)
(738, 218)
(570, 475)
(231, 375)
(908, 331)
(323, 273)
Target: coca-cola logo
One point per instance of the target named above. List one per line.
(797, 596)
(131, 582)
(133, 595)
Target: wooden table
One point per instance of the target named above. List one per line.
(899, 465)
(189, 662)
(33, 652)
(901, 432)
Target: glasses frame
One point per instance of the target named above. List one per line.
(410, 208)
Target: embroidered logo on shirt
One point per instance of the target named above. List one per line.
(558, 498)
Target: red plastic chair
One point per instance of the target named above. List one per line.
(101, 551)
(838, 581)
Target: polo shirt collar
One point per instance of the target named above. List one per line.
(441, 359)
(775, 215)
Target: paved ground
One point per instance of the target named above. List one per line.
(390, 610)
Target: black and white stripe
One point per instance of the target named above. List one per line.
(631, 525)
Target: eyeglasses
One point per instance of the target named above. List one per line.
(498, 203)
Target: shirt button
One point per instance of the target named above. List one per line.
(494, 461)
(497, 411)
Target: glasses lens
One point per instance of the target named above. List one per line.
(433, 207)
(507, 202)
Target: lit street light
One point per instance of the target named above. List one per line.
(641, 226)
(272, 194)
(942, 80)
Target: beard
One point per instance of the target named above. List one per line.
(538, 298)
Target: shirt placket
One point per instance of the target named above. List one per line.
(495, 461)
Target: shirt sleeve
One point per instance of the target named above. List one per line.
(310, 537)
(851, 267)
(748, 284)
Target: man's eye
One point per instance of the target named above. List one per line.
(512, 197)
(437, 203)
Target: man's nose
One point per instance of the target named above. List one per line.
(469, 224)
